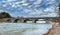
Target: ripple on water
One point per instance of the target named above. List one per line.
(24, 29)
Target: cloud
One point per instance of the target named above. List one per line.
(25, 4)
(50, 9)
(10, 0)
(38, 2)
(4, 5)
(2, 11)
(29, 7)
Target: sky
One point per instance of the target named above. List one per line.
(30, 8)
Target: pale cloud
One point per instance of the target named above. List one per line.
(10, 0)
(32, 8)
(25, 4)
(38, 2)
(3, 1)
(22, 1)
(4, 5)
(13, 5)
(50, 9)
(17, 2)
(27, 10)
(3, 11)
(35, 12)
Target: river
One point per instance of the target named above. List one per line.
(24, 28)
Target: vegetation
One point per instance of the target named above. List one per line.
(4, 15)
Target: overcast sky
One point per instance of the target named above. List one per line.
(30, 8)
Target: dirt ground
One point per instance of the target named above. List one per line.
(55, 30)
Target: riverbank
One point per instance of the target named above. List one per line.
(55, 30)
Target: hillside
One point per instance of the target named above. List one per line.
(5, 15)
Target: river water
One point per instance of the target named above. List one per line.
(24, 28)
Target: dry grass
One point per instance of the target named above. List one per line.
(2, 20)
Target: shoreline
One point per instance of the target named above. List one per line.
(54, 30)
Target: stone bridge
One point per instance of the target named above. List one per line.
(25, 20)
